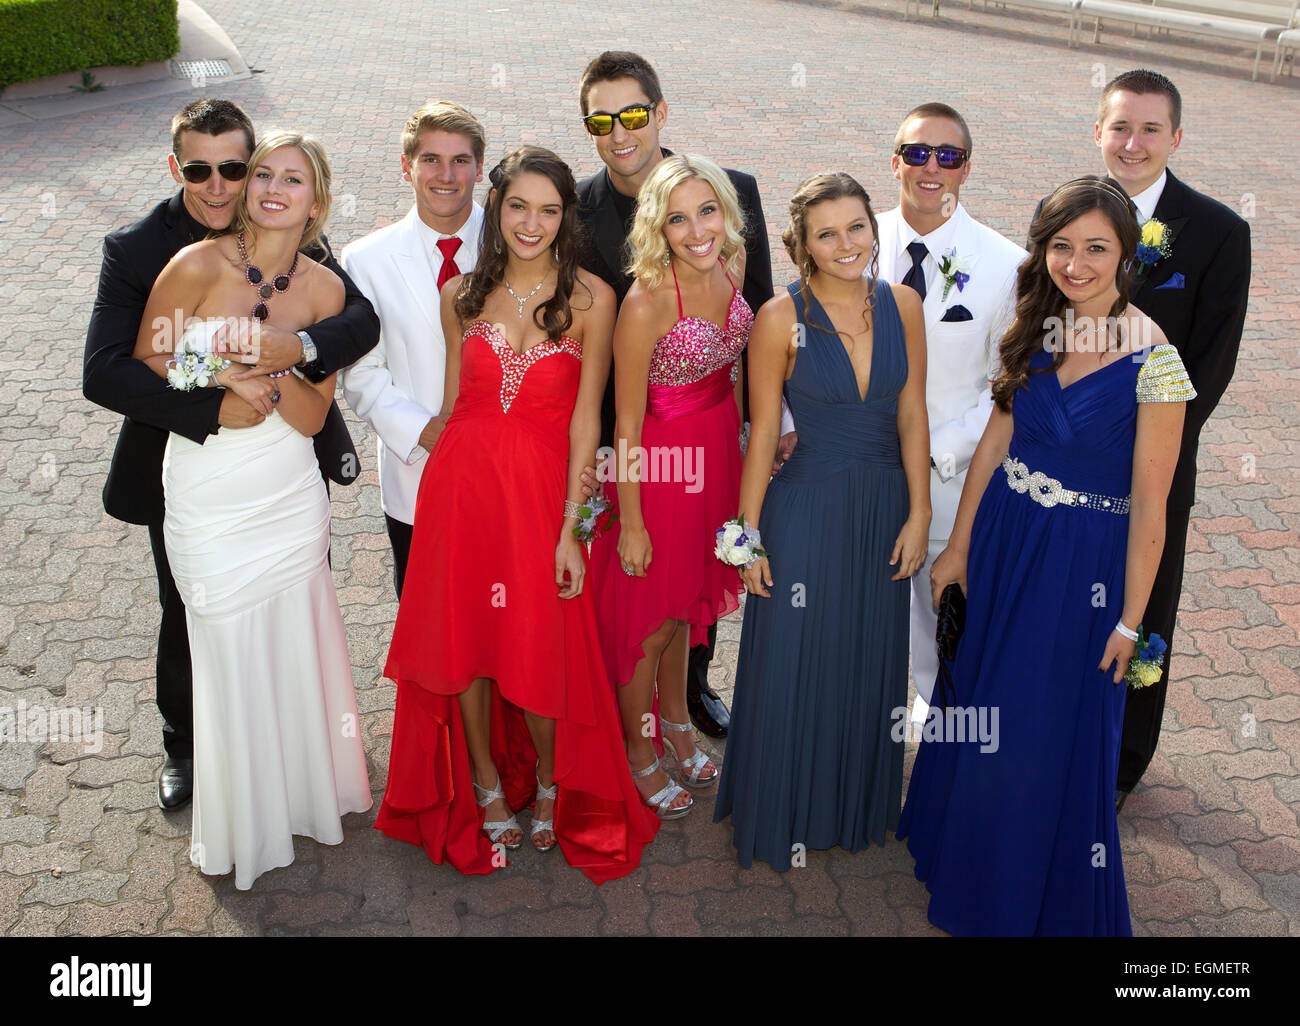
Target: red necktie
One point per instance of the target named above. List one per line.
(449, 268)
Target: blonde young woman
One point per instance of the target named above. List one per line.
(677, 346)
(277, 749)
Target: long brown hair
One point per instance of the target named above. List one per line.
(820, 189)
(1038, 301)
(554, 316)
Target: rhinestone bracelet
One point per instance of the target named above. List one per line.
(571, 510)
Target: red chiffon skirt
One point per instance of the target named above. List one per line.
(480, 600)
(700, 448)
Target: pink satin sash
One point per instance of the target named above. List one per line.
(668, 402)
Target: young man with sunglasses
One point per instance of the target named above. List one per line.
(211, 143)
(623, 109)
(965, 274)
(1197, 293)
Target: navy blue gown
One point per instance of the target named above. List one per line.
(823, 662)
(1016, 835)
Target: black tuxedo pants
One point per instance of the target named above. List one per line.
(1144, 708)
(697, 669)
(174, 687)
(400, 535)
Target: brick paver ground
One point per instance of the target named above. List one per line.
(1211, 841)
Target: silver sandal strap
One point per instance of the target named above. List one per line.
(547, 793)
(483, 797)
(695, 764)
(674, 726)
(665, 796)
(638, 774)
(499, 827)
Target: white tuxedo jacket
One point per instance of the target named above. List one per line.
(961, 356)
(397, 387)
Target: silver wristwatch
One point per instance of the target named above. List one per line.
(308, 349)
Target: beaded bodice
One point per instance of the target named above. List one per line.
(694, 348)
(515, 365)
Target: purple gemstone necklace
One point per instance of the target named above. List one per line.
(265, 289)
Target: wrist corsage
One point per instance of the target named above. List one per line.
(188, 369)
(1145, 667)
(738, 543)
(594, 518)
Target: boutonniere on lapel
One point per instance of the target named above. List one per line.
(1155, 242)
(955, 271)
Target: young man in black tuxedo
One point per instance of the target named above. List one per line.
(1197, 295)
(623, 108)
(211, 143)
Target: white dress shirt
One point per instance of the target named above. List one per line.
(1147, 199)
(936, 243)
(397, 387)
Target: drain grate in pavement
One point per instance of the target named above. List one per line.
(200, 69)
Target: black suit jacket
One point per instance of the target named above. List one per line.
(111, 377)
(1202, 318)
(604, 252)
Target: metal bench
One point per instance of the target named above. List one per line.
(1287, 42)
(1057, 6)
(1259, 21)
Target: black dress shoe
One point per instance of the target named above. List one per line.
(1120, 798)
(176, 783)
(708, 713)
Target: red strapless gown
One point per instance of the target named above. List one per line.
(481, 601)
(691, 434)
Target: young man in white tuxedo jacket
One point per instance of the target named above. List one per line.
(965, 318)
(397, 388)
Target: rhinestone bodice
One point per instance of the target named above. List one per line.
(694, 348)
(515, 365)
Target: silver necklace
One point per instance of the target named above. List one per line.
(526, 298)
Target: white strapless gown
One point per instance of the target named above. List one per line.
(277, 739)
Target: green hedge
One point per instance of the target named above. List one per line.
(48, 37)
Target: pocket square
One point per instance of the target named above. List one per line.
(960, 313)
(1176, 281)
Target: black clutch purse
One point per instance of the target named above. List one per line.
(952, 621)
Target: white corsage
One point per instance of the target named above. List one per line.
(188, 369)
(738, 543)
(955, 271)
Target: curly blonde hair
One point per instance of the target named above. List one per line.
(314, 151)
(650, 254)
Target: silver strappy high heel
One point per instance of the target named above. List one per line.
(484, 798)
(662, 800)
(540, 825)
(691, 768)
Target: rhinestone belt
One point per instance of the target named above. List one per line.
(1048, 492)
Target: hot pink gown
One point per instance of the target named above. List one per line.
(690, 484)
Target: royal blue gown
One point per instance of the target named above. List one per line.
(823, 662)
(1015, 834)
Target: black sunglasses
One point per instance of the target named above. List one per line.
(633, 117)
(231, 170)
(950, 158)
